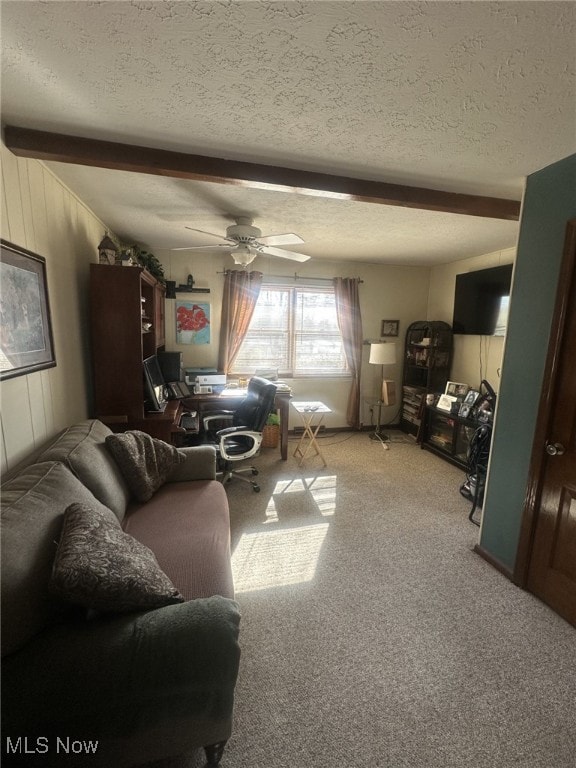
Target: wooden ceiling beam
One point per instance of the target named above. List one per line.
(76, 150)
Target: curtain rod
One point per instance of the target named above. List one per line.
(294, 277)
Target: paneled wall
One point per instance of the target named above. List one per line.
(40, 214)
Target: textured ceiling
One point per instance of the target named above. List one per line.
(466, 97)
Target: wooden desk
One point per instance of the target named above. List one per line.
(202, 403)
(164, 426)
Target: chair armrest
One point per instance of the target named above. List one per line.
(208, 418)
(113, 676)
(234, 432)
(200, 464)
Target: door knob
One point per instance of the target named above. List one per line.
(555, 449)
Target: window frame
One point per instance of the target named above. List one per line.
(293, 292)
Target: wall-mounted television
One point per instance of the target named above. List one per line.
(481, 301)
(154, 385)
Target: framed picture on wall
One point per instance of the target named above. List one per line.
(390, 328)
(26, 343)
(192, 322)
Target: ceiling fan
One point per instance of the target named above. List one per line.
(245, 242)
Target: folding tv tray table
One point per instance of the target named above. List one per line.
(308, 410)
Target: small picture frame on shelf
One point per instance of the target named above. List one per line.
(464, 411)
(456, 389)
(471, 397)
(390, 328)
(445, 402)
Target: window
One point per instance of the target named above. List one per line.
(296, 331)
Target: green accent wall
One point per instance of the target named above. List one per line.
(549, 202)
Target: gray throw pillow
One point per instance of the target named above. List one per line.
(100, 567)
(145, 462)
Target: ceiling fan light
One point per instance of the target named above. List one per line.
(243, 256)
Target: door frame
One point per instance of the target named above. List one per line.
(566, 284)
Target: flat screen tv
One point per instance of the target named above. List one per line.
(154, 385)
(481, 301)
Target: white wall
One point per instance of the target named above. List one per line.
(387, 292)
(475, 357)
(40, 214)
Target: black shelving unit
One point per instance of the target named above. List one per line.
(427, 361)
(447, 435)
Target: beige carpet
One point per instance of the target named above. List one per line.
(372, 634)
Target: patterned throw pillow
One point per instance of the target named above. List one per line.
(99, 566)
(145, 462)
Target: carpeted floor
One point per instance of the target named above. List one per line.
(372, 634)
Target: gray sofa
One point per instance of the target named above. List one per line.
(93, 688)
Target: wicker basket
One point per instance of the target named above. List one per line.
(270, 436)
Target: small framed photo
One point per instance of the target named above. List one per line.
(390, 328)
(445, 402)
(456, 389)
(471, 397)
(464, 411)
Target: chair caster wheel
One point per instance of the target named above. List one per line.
(256, 488)
(254, 471)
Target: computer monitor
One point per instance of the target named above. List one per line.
(154, 385)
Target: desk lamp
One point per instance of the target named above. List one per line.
(383, 353)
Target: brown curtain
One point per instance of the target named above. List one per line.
(350, 324)
(241, 291)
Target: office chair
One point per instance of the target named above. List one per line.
(242, 439)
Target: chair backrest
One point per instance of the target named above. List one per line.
(254, 409)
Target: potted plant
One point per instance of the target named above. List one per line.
(151, 263)
(271, 431)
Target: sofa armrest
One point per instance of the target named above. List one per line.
(115, 680)
(200, 464)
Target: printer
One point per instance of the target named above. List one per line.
(205, 380)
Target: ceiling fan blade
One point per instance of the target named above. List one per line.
(202, 247)
(203, 232)
(287, 239)
(284, 254)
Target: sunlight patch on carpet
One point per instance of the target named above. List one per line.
(322, 490)
(277, 557)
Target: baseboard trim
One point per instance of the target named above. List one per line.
(494, 562)
(297, 430)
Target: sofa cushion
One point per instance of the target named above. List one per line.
(145, 462)
(187, 526)
(33, 505)
(99, 566)
(82, 447)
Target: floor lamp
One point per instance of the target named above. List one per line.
(383, 353)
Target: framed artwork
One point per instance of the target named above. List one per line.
(471, 397)
(445, 402)
(456, 389)
(192, 322)
(26, 343)
(390, 328)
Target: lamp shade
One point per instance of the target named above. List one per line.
(383, 353)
